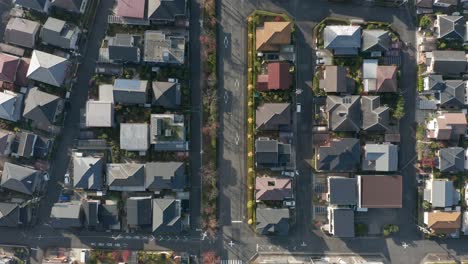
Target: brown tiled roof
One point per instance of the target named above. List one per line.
(8, 67)
(387, 79)
(444, 222)
(446, 122)
(272, 35)
(270, 116)
(277, 78)
(379, 191)
(280, 189)
(334, 80)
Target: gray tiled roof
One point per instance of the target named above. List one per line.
(339, 155)
(10, 105)
(139, 211)
(273, 116)
(134, 137)
(342, 39)
(126, 176)
(41, 107)
(130, 91)
(108, 215)
(449, 62)
(165, 176)
(59, 33)
(451, 159)
(270, 152)
(37, 5)
(90, 210)
(21, 32)
(343, 222)
(273, 221)
(453, 94)
(87, 172)
(344, 113)
(69, 5)
(443, 193)
(47, 68)
(435, 82)
(166, 94)
(9, 214)
(343, 191)
(66, 215)
(380, 157)
(375, 40)
(166, 216)
(451, 27)
(20, 179)
(374, 116)
(165, 10)
(122, 49)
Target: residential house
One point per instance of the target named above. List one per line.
(48, 68)
(21, 32)
(339, 155)
(139, 212)
(342, 40)
(99, 114)
(447, 126)
(134, 137)
(443, 222)
(380, 157)
(36, 5)
(166, 94)
(273, 116)
(379, 78)
(445, 3)
(335, 80)
(271, 153)
(424, 6)
(9, 214)
(376, 41)
(66, 215)
(441, 193)
(134, 9)
(42, 109)
(59, 33)
(87, 172)
(169, 176)
(451, 160)
(167, 132)
(277, 77)
(11, 104)
(163, 48)
(126, 177)
(167, 216)
(108, 215)
(273, 189)
(28, 145)
(73, 6)
(344, 113)
(446, 93)
(341, 191)
(121, 48)
(20, 179)
(375, 118)
(341, 222)
(450, 27)
(272, 35)
(379, 191)
(11, 70)
(91, 213)
(272, 221)
(130, 91)
(6, 140)
(447, 62)
(166, 11)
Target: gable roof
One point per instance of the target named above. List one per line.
(443, 222)
(277, 78)
(10, 105)
(451, 27)
(20, 179)
(131, 8)
(120, 48)
(165, 176)
(380, 157)
(381, 191)
(8, 67)
(335, 80)
(69, 5)
(343, 191)
(387, 79)
(87, 172)
(6, 139)
(339, 155)
(376, 40)
(342, 39)
(125, 175)
(374, 116)
(134, 137)
(66, 215)
(166, 94)
(130, 91)
(40, 107)
(273, 221)
(47, 68)
(108, 215)
(139, 211)
(443, 193)
(454, 93)
(37, 5)
(272, 35)
(9, 214)
(449, 62)
(270, 152)
(99, 114)
(451, 159)
(272, 189)
(343, 222)
(424, 3)
(272, 116)
(344, 113)
(90, 210)
(166, 216)
(166, 10)
(434, 82)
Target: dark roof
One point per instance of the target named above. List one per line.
(20, 179)
(270, 152)
(166, 94)
(166, 216)
(87, 172)
(336, 81)
(453, 94)
(139, 211)
(69, 5)
(435, 82)
(374, 116)
(424, 3)
(451, 27)
(381, 191)
(273, 116)
(37, 5)
(66, 215)
(166, 10)
(122, 49)
(165, 176)
(342, 39)
(343, 191)
(273, 221)
(125, 175)
(344, 113)
(40, 107)
(90, 209)
(340, 155)
(452, 159)
(9, 214)
(343, 222)
(449, 62)
(109, 216)
(376, 40)
(24, 144)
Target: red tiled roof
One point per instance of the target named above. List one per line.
(262, 82)
(8, 67)
(131, 8)
(278, 76)
(379, 191)
(22, 71)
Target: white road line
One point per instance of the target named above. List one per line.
(236, 221)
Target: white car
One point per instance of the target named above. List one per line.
(289, 203)
(298, 107)
(46, 177)
(66, 179)
(288, 173)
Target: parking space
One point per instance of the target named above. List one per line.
(375, 219)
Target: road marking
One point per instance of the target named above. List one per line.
(236, 83)
(236, 221)
(404, 245)
(303, 244)
(226, 42)
(237, 139)
(231, 243)
(226, 97)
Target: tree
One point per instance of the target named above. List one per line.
(210, 257)
(425, 22)
(399, 110)
(390, 229)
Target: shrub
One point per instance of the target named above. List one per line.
(425, 22)
(399, 110)
(360, 229)
(390, 229)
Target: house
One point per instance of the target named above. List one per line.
(87, 172)
(424, 6)
(6, 140)
(48, 68)
(446, 93)
(9, 214)
(344, 113)
(272, 36)
(341, 222)
(166, 94)
(139, 212)
(126, 177)
(379, 78)
(375, 118)
(121, 48)
(273, 116)
(451, 160)
(167, 216)
(130, 91)
(379, 191)
(342, 191)
(272, 221)
(166, 11)
(277, 77)
(28, 145)
(445, 3)
(273, 189)
(271, 153)
(164, 48)
(376, 41)
(342, 154)
(167, 132)
(440, 193)
(335, 80)
(99, 114)
(73, 6)
(443, 222)
(59, 33)
(20, 179)
(447, 126)
(91, 213)
(380, 157)
(21, 32)
(66, 215)
(450, 27)
(42, 109)
(13, 69)
(168, 176)
(134, 9)
(447, 62)
(36, 5)
(134, 137)
(342, 40)
(108, 215)
(10, 105)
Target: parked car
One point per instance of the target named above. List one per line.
(46, 177)
(289, 203)
(298, 107)
(288, 173)
(66, 179)
(64, 198)
(320, 61)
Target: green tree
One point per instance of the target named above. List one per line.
(425, 22)
(399, 110)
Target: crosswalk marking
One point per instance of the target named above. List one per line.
(232, 261)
